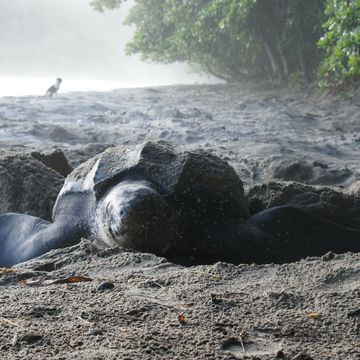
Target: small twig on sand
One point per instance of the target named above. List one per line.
(85, 321)
(154, 299)
(156, 283)
(11, 322)
(160, 293)
(241, 341)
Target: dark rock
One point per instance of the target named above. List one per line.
(96, 332)
(106, 285)
(30, 338)
(333, 205)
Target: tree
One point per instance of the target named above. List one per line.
(207, 34)
(230, 39)
(341, 42)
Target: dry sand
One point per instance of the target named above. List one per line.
(305, 310)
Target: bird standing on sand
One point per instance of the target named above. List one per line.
(53, 89)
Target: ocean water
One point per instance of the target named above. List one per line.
(23, 86)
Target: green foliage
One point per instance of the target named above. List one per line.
(101, 5)
(296, 78)
(208, 34)
(230, 39)
(233, 39)
(341, 43)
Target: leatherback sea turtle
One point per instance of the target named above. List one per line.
(173, 203)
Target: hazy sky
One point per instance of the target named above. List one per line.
(67, 38)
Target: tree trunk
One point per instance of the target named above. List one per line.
(285, 67)
(301, 48)
(270, 50)
(274, 65)
(273, 30)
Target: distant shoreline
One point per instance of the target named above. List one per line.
(36, 86)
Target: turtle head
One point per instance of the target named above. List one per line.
(133, 215)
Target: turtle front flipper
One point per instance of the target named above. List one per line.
(23, 237)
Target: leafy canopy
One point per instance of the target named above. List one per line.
(341, 42)
(233, 39)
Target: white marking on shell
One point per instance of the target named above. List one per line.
(77, 186)
(133, 155)
(81, 185)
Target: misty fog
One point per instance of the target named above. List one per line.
(41, 40)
